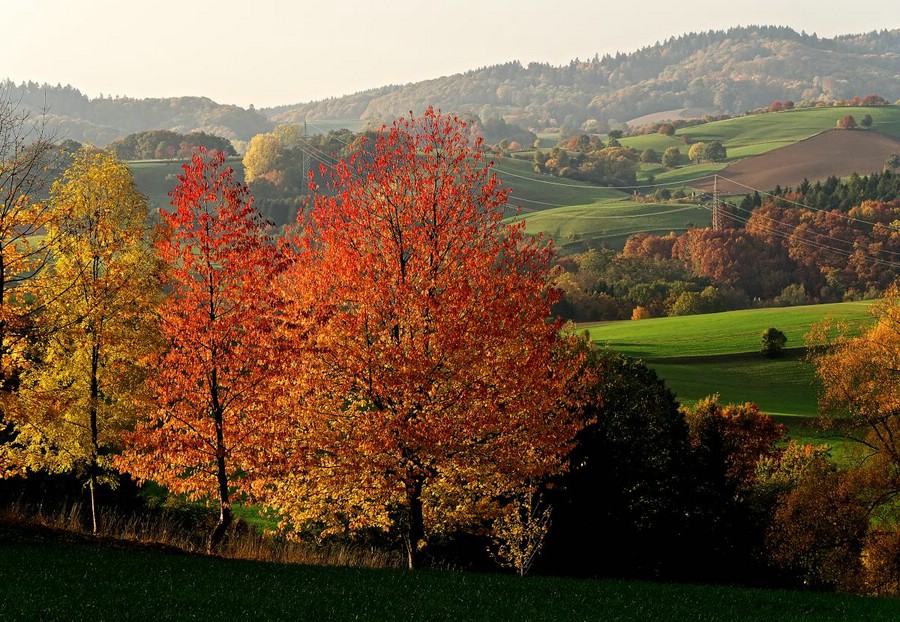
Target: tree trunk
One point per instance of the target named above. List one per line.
(415, 527)
(225, 515)
(95, 434)
(93, 485)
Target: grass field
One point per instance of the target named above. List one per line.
(41, 579)
(732, 332)
(156, 178)
(775, 130)
(576, 215)
(725, 359)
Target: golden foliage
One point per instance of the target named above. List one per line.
(85, 382)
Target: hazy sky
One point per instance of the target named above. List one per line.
(271, 52)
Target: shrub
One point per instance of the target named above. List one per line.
(640, 313)
(773, 341)
(846, 122)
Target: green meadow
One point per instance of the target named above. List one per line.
(156, 178)
(43, 579)
(764, 132)
(698, 355)
(577, 215)
(713, 334)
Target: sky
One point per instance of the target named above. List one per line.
(276, 52)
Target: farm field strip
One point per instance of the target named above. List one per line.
(731, 332)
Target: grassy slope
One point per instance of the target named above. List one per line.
(48, 580)
(733, 332)
(156, 178)
(574, 214)
(773, 130)
(578, 215)
(752, 135)
(726, 360)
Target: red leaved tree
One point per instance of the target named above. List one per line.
(208, 434)
(434, 388)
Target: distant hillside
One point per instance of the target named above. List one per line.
(726, 71)
(103, 119)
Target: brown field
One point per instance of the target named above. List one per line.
(669, 115)
(835, 152)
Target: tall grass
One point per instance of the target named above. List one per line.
(171, 529)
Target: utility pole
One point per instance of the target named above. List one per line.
(717, 220)
(305, 165)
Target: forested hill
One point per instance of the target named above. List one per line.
(102, 119)
(722, 71)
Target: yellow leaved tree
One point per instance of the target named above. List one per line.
(28, 159)
(96, 325)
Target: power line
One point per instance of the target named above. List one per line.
(814, 243)
(683, 182)
(809, 207)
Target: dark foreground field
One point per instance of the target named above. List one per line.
(45, 577)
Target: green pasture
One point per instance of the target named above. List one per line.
(783, 386)
(698, 355)
(715, 334)
(43, 579)
(156, 178)
(610, 222)
(535, 191)
(764, 132)
(686, 174)
(658, 142)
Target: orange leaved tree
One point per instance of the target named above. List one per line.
(208, 434)
(432, 389)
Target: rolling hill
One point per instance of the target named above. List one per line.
(725, 71)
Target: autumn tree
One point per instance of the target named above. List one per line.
(698, 152)
(731, 439)
(671, 157)
(96, 325)
(208, 433)
(846, 122)
(28, 160)
(861, 394)
(433, 385)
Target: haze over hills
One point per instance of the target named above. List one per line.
(100, 120)
(723, 71)
(726, 71)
